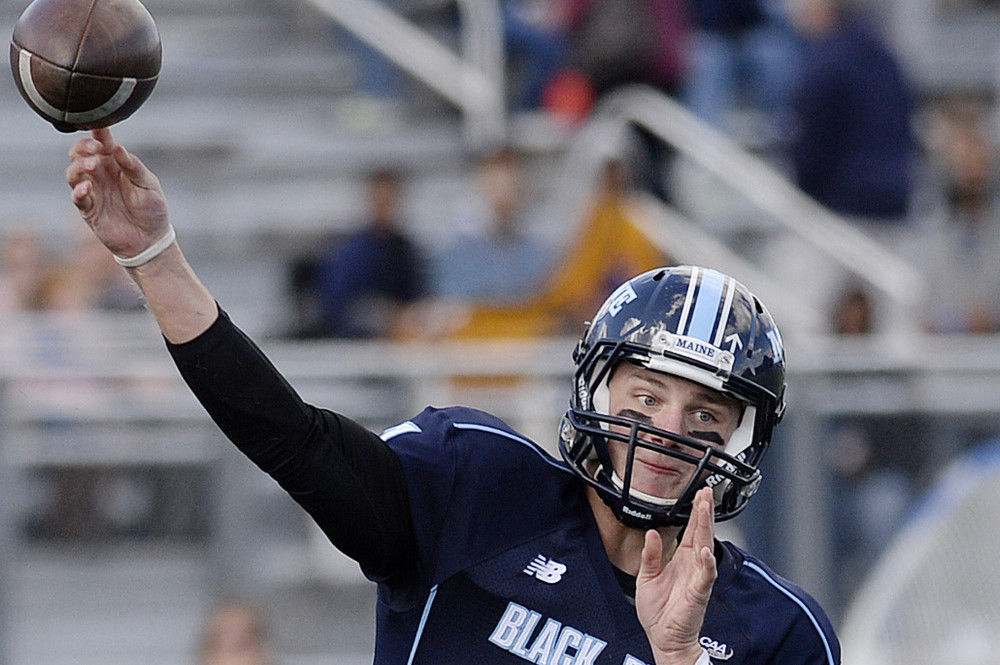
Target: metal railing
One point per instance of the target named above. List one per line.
(112, 375)
(472, 80)
(766, 189)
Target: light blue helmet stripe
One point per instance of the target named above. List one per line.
(720, 330)
(706, 309)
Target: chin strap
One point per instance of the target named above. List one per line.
(636, 494)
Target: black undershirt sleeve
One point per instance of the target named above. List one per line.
(348, 480)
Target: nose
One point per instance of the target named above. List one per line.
(670, 419)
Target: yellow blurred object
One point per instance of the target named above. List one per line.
(609, 250)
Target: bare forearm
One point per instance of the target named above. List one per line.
(124, 205)
(183, 307)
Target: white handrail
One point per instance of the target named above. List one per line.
(603, 138)
(472, 81)
(769, 190)
(674, 233)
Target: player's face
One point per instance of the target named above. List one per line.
(673, 404)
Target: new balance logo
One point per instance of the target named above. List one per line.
(546, 570)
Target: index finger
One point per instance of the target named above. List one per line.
(104, 136)
(701, 527)
(100, 142)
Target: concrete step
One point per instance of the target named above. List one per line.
(122, 606)
(147, 606)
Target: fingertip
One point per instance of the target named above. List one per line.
(81, 196)
(650, 559)
(707, 498)
(82, 147)
(651, 543)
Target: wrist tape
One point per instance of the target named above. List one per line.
(151, 252)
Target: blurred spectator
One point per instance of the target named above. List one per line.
(875, 462)
(25, 265)
(853, 312)
(358, 286)
(89, 280)
(852, 147)
(236, 634)
(607, 245)
(874, 471)
(628, 41)
(625, 42)
(742, 55)
(501, 259)
(536, 48)
(963, 242)
(607, 249)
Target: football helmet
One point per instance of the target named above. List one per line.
(698, 324)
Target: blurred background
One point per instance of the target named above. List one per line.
(412, 203)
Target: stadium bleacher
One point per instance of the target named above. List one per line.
(261, 136)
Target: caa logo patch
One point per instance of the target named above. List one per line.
(716, 650)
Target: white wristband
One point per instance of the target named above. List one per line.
(151, 252)
(703, 659)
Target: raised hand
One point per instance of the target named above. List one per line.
(117, 196)
(122, 202)
(671, 599)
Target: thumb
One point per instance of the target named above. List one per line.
(651, 560)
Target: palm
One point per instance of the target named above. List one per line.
(124, 205)
(671, 599)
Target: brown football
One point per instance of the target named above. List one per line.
(85, 64)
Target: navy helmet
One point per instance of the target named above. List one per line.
(694, 323)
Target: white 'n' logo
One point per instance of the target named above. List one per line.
(546, 570)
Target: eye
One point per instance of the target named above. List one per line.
(705, 417)
(647, 400)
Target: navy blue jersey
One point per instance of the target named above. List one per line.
(484, 546)
(511, 567)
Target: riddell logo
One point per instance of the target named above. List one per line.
(582, 394)
(636, 513)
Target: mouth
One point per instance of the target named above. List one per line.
(664, 468)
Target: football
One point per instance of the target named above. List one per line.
(85, 64)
